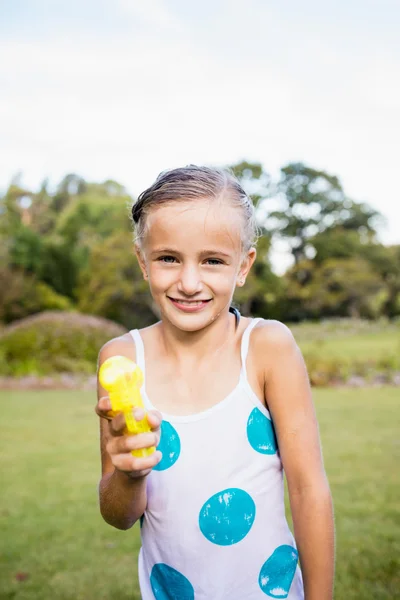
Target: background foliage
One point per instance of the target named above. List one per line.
(71, 249)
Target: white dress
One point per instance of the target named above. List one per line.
(215, 525)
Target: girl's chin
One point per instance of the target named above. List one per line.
(190, 322)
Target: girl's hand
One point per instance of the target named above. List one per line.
(119, 444)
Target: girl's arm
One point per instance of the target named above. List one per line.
(122, 489)
(288, 397)
(122, 498)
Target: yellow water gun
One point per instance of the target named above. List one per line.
(123, 378)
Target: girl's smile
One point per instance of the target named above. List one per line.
(189, 305)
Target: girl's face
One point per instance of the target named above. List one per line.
(192, 257)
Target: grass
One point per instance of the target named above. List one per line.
(349, 339)
(54, 544)
(339, 350)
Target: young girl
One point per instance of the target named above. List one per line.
(229, 406)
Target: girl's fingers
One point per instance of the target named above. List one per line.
(118, 425)
(127, 443)
(154, 419)
(103, 408)
(135, 465)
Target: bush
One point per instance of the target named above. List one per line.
(325, 371)
(54, 342)
(338, 351)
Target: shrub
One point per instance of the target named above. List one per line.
(325, 371)
(54, 342)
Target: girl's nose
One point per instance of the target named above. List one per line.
(190, 281)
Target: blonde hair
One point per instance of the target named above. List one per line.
(193, 183)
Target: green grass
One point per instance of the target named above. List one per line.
(349, 339)
(52, 531)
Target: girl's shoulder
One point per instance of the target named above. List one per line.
(273, 353)
(273, 332)
(119, 346)
(276, 330)
(271, 340)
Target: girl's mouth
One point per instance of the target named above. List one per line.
(189, 305)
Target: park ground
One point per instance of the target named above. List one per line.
(55, 546)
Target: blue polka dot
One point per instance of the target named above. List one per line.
(277, 572)
(227, 517)
(168, 584)
(261, 433)
(170, 446)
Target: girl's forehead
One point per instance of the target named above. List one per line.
(202, 221)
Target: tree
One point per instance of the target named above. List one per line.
(21, 295)
(336, 288)
(336, 242)
(263, 290)
(49, 236)
(385, 261)
(112, 284)
(92, 216)
(313, 202)
(254, 179)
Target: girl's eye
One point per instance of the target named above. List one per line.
(172, 259)
(167, 259)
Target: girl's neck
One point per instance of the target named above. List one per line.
(193, 346)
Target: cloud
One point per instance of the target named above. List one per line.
(152, 13)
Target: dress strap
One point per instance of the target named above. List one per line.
(245, 343)
(139, 350)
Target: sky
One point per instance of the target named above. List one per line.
(124, 89)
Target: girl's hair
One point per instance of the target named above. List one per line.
(193, 183)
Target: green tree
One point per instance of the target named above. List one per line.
(112, 284)
(385, 261)
(312, 202)
(25, 250)
(254, 179)
(21, 295)
(263, 290)
(49, 236)
(336, 242)
(337, 288)
(93, 216)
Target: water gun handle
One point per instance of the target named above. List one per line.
(122, 378)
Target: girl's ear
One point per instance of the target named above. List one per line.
(246, 266)
(141, 261)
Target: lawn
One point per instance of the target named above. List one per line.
(349, 339)
(55, 546)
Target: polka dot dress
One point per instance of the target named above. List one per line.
(215, 525)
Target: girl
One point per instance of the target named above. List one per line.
(229, 405)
